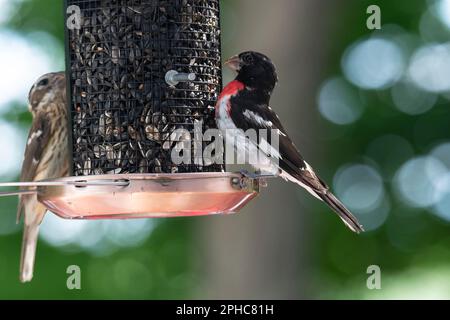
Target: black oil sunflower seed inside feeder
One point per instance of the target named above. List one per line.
(123, 111)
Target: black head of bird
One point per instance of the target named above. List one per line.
(255, 70)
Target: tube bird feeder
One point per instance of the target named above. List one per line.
(139, 72)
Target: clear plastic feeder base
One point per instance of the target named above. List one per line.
(148, 195)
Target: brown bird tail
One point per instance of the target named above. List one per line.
(29, 242)
(21, 206)
(347, 217)
(19, 210)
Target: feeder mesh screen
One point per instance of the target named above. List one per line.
(123, 114)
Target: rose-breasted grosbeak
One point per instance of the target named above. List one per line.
(244, 104)
(46, 157)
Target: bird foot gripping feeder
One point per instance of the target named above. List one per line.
(138, 71)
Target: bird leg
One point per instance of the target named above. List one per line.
(257, 174)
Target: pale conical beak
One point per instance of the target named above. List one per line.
(234, 63)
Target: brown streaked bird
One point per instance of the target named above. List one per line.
(245, 104)
(46, 157)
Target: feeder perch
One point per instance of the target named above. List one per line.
(174, 77)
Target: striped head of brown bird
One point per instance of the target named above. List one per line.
(47, 93)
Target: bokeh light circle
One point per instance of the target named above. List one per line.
(417, 181)
(442, 153)
(339, 102)
(430, 67)
(359, 186)
(13, 141)
(441, 8)
(442, 206)
(375, 63)
(411, 100)
(99, 237)
(22, 62)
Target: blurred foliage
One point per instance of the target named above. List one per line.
(158, 269)
(44, 15)
(161, 268)
(409, 234)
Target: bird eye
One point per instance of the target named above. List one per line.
(247, 58)
(43, 82)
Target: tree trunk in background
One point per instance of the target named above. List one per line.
(264, 251)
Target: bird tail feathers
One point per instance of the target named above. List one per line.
(29, 242)
(308, 179)
(346, 216)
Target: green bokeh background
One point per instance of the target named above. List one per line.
(179, 260)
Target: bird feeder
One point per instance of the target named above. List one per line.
(139, 72)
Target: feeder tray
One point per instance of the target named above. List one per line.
(148, 195)
(142, 195)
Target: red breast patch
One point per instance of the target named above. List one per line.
(232, 88)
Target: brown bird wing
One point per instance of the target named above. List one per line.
(38, 138)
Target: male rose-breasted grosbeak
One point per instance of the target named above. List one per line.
(46, 157)
(244, 104)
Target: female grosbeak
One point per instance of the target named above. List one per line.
(46, 157)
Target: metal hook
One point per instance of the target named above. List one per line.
(174, 77)
(117, 183)
(17, 193)
(257, 175)
(81, 183)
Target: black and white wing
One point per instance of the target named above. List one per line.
(263, 117)
(292, 164)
